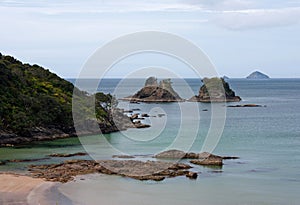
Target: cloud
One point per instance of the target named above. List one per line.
(257, 18)
(106, 6)
(222, 5)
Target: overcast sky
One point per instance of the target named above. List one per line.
(239, 36)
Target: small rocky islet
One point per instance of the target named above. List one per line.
(213, 90)
(155, 92)
(156, 170)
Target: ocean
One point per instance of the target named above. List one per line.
(267, 140)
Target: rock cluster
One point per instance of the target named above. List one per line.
(203, 158)
(150, 170)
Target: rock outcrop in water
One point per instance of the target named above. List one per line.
(215, 90)
(149, 170)
(140, 170)
(258, 75)
(203, 158)
(156, 92)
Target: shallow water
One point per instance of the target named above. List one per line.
(266, 138)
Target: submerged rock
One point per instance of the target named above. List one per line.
(211, 161)
(28, 160)
(67, 155)
(215, 90)
(246, 105)
(123, 156)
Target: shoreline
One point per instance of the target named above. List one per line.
(26, 190)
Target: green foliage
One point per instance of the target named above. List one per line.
(32, 96)
(217, 85)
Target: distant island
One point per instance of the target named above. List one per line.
(155, 92)
(215, 90)
(258, 75)
(226, 77)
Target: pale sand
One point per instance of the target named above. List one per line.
(16, 189)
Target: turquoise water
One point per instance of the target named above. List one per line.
(267, 140)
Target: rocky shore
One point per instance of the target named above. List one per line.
(150, 170)
(156, 170)
(87, 127)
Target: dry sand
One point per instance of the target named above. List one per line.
(16, 189)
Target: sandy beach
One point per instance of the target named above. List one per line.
(17, 189)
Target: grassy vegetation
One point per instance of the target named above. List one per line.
(217, 85)
(32, 96)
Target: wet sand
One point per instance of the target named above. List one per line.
(17, 189)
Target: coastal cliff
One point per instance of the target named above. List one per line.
(37, 105)
(215, 90)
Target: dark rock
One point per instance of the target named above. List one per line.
(161, 115)
(146, 178)
(192, 175)
(140, 125)
(136, 109)
(128, 111)
(123, 156)
(246, 105)
(229, 157)
(2, 163)
(215, 90)
(145, 115)
(134, 116)
(28, 160)
(211, 161)
(68, 155)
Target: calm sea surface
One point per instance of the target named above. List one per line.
(267, 140)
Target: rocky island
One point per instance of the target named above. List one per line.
(258, 75)
(155, 92)
(215, 90)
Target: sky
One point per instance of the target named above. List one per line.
(239, 36)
